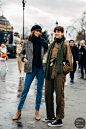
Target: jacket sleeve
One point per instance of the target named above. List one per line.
(22, 53)
(45, 45)
(68, 61)
(85, 52)
(77, 54)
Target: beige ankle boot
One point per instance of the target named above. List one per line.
(17, 115)
(37, 114)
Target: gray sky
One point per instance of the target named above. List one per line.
(44, 12)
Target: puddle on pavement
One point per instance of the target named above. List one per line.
(30, 127)
(19, 124)
(20, 87)
(31, 122)
(3, 75)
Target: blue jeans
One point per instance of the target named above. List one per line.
(28, 80)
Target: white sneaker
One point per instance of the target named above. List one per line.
(56, 123)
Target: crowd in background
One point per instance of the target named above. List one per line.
(79, 57)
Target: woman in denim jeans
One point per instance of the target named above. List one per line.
(34, 49)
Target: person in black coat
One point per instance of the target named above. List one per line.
(75, 55)
(82, 61)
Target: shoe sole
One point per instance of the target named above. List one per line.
(18, 117)
(48, 121)
(37, 119)
(55, 125)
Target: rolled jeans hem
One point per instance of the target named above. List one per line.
(37, 109)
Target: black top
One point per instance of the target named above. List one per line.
(75, 53)
(82, 56)
(37, 43)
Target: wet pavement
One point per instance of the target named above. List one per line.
(10, 90)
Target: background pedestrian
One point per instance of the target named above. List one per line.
(75, 55)
(20, 63)
(82, 61)
(2, 51)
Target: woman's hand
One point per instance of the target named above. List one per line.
(82, 53)
(25, 60)
(76, 62)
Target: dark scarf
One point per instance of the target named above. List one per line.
(59, 59)
(36, 51)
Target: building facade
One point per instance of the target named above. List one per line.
(5, 24)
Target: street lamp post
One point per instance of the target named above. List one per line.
(56, 23)
(52, 32)
(23, 2)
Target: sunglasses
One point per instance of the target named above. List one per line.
(38, 30)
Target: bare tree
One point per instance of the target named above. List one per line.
(81, 21)
(79, 26)
(0, 3)
(82, 27)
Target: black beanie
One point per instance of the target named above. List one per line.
(35, 27)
